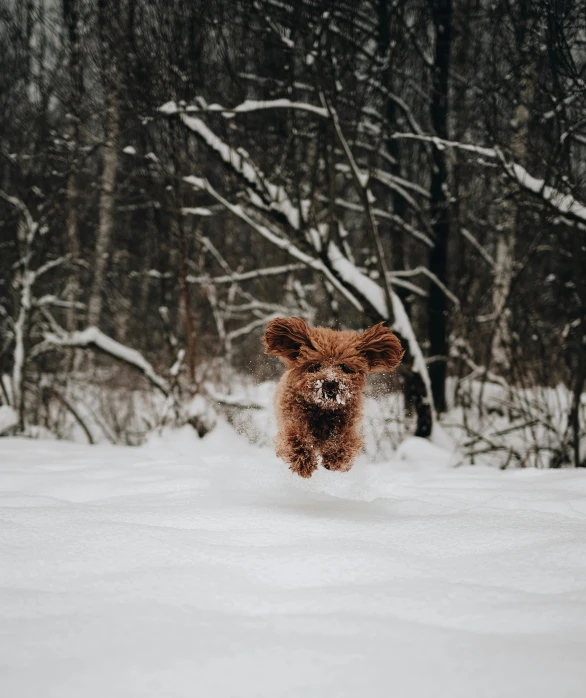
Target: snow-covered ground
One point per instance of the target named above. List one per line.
(205, 568)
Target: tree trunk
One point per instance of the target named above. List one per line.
(507, 231)
(71, 18)
(414, 390)
(74, 251)
(106, 211)
(392, 146)
(110, 35)
(579, 245)
(441, 11)
(186, 301)
(20, 331)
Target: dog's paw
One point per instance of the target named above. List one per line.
(305, 470)
(338, 466)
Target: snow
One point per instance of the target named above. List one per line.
(403, 326)
(92, 336)
(564, 203)
(376, 297)
(350, 273)
(8, 418)
(228, 155)
(246, 275)
(196, 211)
(271, 235)
(190, 567)
(249, 105)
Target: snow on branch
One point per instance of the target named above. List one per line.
(52, 264)
(31, 225)
(361, 181)
(236, 159)
(247, 106)
(566, 204)
(474, 242)
(375, 295)
(272, 196)
(399, 183)
(241, 402)
(396, 281)
(245, 275)
(50, 299)
(431, 276)
(442, 144)
(336, 267)
(93, 337)
(276, 239)
(383, 215)
(195, 211)
(353, 277)
(251, 326)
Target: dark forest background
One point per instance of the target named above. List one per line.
(175, 173)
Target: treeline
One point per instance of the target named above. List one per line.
(177, 172)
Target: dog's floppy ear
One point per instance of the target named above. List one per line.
(284, 337)
(381, 348)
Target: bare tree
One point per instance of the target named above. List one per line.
(441, 12)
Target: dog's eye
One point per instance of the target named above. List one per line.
(314, 368)
(346, 369)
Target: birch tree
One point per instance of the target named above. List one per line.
(112, 20)
(527, 39)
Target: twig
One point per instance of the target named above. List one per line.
(74, 413)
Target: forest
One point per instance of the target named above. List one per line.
(176, 173)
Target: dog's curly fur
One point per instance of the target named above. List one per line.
(319, 398)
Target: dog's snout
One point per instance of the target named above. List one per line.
(330, 388)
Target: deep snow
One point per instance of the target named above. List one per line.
(190, 568)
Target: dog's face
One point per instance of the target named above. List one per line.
(328, 368)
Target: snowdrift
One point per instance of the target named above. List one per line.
(194, 567)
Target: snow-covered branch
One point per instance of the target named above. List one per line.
(477, 246)
(251, 326)
(31, 226)
(49, 299)
(361, 181)
(241, 402)
(566, 204)
(384, 215)
(237, 277)
(442, 144)
(431, 276)
(397, 281)
(273, 237)
(195, 211)
(245, 107)
(52, 264)
(93, 337)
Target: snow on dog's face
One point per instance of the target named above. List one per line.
(328, 368)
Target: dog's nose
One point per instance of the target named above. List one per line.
(330, 388)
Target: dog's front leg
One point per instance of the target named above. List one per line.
(339, 454)
(298, 452)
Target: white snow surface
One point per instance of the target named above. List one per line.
(205, 568)
(8, 418)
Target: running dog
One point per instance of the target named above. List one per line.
(319, 398)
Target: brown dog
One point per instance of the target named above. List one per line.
(319, 399)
